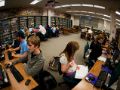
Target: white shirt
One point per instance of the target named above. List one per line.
(63, 60)
(42, 29)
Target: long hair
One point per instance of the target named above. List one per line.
(70, 49)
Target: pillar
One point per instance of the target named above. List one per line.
(112, 25)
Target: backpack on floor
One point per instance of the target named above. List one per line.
(47, 81)
(53, 64)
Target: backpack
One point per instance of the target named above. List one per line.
(86, 52)
(47, 81)
(53, 64)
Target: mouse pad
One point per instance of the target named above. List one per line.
(91, 78)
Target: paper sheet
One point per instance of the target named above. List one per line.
(101, 58)
(81, 72)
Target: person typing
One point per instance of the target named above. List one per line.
(35, 59)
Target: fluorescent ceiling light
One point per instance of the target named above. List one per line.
(100, 14)
(97, 6)
(81, 15)
(57, 6)
(65, 5)
(84, 11)
(106, 16)
(2, 3)
(73, 11)
(81, 11)
(87, 5)
(91, 12)
(76, 5)
(118, 13)
(118, 20)
(118, 24)
(35, 2)
(106, 19)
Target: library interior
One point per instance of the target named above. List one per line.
(86, 35)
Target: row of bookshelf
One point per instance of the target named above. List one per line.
(9, 26)
(61, 22)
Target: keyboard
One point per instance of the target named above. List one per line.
(101, 79)
(16, 73)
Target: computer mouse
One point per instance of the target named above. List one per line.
(27, 82)
(91, 78)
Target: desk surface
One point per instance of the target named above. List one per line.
(19, 85)
(84, 85)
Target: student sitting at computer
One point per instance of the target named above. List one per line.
(67, 60)
(22, 47)
(96, 50)
(35, 59)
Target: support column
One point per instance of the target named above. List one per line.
(49, 12)
(72, 18)
(112, 25)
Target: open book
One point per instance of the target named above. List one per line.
(81, 72)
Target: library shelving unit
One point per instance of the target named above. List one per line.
(10, 25)
(61, 22)
(13, 26)
(38, 21)
(5, 31)
(1, 31)
(31, 21)
(53, 21)
(22, 22)
(44, 21)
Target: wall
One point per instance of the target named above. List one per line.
(107, 25)
(30, 12)
(75, 20)
(97, 23)
(21, 11)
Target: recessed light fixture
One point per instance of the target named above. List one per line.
(2, 3)
(35, 2)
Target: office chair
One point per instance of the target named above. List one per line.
(67, 80)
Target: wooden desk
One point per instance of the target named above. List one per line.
(84, 85)
(19, 85)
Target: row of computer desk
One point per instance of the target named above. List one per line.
(14, 85)
(85, 85)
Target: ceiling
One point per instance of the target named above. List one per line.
(110, 5)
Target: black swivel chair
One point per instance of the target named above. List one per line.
(67, 80)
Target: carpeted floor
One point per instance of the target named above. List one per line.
(54, 46)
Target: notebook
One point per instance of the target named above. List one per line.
(81, 72)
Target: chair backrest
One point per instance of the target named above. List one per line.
(59, 68)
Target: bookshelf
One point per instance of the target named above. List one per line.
(61, 22)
